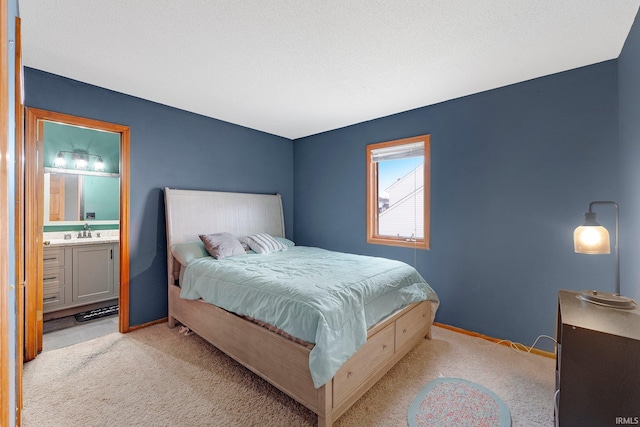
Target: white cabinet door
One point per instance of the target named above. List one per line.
(93, 268)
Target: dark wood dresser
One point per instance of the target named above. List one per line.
(597, 364)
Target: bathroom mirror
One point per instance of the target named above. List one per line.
(76, 191)
(80, 197)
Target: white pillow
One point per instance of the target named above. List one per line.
(187, 252)
(262, 243)
(288, 243)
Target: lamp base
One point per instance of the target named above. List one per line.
(607, 299)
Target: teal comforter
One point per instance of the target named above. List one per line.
(323, 297)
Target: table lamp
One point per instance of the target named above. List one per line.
(592, 238)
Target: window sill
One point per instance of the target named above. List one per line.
(418, 244)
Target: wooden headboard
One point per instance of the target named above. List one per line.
(190, 213)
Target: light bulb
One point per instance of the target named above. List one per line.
(80, 163)
(59, 161)
(98, 166)
(590, 236)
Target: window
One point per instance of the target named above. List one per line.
(398, 192)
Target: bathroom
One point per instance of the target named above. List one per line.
(81, 208)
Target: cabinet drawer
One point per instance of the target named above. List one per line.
(52, 297)
(375, 351)
(411, 324)
(53, 257)
(53, 277)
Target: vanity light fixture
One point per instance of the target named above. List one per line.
(80, 159)
(592, 238)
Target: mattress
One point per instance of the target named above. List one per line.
(326, 298)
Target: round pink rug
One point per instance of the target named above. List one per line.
(453, 402)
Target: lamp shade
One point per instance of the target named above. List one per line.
(59, 161)
(591, 237)
(98, 166)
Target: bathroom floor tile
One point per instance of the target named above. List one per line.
(82, 332)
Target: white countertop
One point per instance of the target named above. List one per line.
(82, 241)
(58, 238)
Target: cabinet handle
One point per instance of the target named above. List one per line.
(111, 254)
(49, 259)
(49, 278)
(53, 298)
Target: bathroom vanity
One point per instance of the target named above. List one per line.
(79, 272)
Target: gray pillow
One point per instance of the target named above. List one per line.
(222, 245)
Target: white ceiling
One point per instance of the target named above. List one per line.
(299, 67)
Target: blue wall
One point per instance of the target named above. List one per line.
(174, 148)
(513, 171)
(629, 98)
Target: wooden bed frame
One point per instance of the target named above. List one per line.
(280, 361)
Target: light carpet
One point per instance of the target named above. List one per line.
(157, 377)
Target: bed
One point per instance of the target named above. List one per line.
(295, 366)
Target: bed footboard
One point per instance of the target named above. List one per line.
(285, 364)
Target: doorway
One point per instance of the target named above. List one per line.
(81, 158)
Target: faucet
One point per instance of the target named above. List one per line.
(87, 230)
